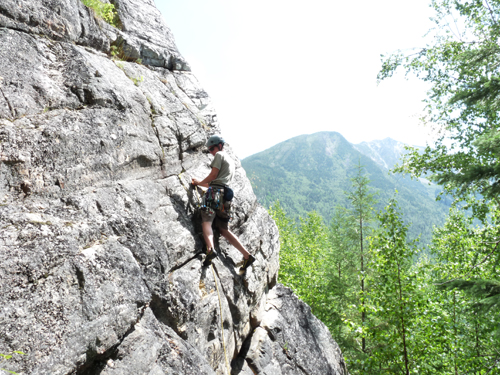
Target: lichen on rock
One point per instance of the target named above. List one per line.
(100, 237)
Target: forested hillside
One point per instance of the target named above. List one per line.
(313, 172)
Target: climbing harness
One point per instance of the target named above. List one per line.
(221, 321)
(212, 200)
(216, 199)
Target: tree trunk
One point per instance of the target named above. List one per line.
(455, 330)
(363, 313)
(401, 305)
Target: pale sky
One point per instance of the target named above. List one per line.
(277, 69)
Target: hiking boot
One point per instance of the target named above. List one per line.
(247, 263)
(210, 255)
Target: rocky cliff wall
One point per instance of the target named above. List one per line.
(100, 243)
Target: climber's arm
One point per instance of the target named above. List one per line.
(207, 180)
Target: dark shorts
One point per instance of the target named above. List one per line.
(221, 216)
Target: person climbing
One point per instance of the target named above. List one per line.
(217, 201)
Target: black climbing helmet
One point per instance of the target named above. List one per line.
(214, 140)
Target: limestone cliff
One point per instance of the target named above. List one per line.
(101, 265)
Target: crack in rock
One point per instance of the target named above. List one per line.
(8, 103)
(97, 360)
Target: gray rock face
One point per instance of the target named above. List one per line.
(100, 241)
(144, 34)
(65, 20)
(289, 340)
(154, 43)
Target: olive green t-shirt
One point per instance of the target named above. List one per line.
(225, 165)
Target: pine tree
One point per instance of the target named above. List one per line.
(362, 202)
(393, 295)
(342, 275)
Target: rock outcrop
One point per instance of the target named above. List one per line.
(100, 242)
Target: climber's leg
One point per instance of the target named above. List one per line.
(208, 235)
(233, 240)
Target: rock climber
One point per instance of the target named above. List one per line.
(217, 201)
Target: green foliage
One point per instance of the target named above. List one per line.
(6, 357)
(362, 202)
(462, 66)
(325, 266)
(393, 297)
(302, 256)
(360, 197)
(342, 275)
(444, 330)
(464, 99)
(117, 53)
(137, 80)
(105, 11)
(465, 259)
(488, 291)
(307, 266)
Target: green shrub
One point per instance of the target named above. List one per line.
(107, 12)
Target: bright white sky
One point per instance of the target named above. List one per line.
(276, 69)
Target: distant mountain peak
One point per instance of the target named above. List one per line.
(386, 152)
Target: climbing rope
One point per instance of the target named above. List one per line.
(221, 321)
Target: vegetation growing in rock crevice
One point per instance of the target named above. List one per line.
(117, 53)
(6, 357)
(104, 11)
(137, 80)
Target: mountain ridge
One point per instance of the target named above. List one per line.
(312, 172)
